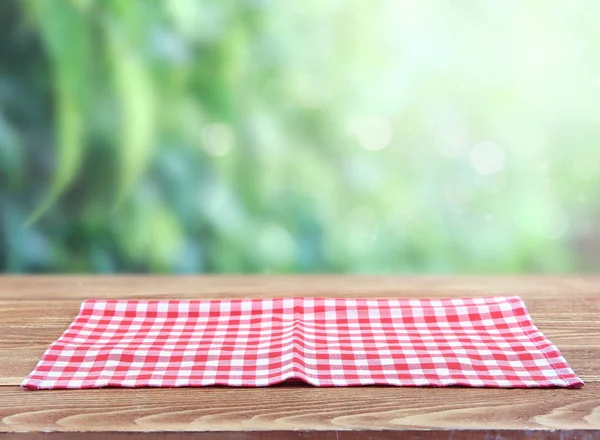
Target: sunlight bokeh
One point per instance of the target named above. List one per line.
(270, 136)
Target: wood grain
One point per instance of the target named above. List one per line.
(299, 408)
(81, 287)
(34, 311)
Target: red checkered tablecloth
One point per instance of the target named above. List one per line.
(477, 342)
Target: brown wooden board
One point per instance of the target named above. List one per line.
(34, 311)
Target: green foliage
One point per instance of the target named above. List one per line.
(298, 136)
(136, 98)
(62, 30)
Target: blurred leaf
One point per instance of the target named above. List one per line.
(151, 235)
(64, 32)
(83, 5)
(11, 153)
(138, 107)
(69, 139)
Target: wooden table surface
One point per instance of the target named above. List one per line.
(34, 311)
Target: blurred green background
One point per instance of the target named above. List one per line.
(270, 136)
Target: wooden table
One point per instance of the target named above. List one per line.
(34, 311)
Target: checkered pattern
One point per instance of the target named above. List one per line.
(480, 342)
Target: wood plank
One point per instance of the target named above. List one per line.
(81, 287)
(378, 434)
(298, 408)
(34, 311)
